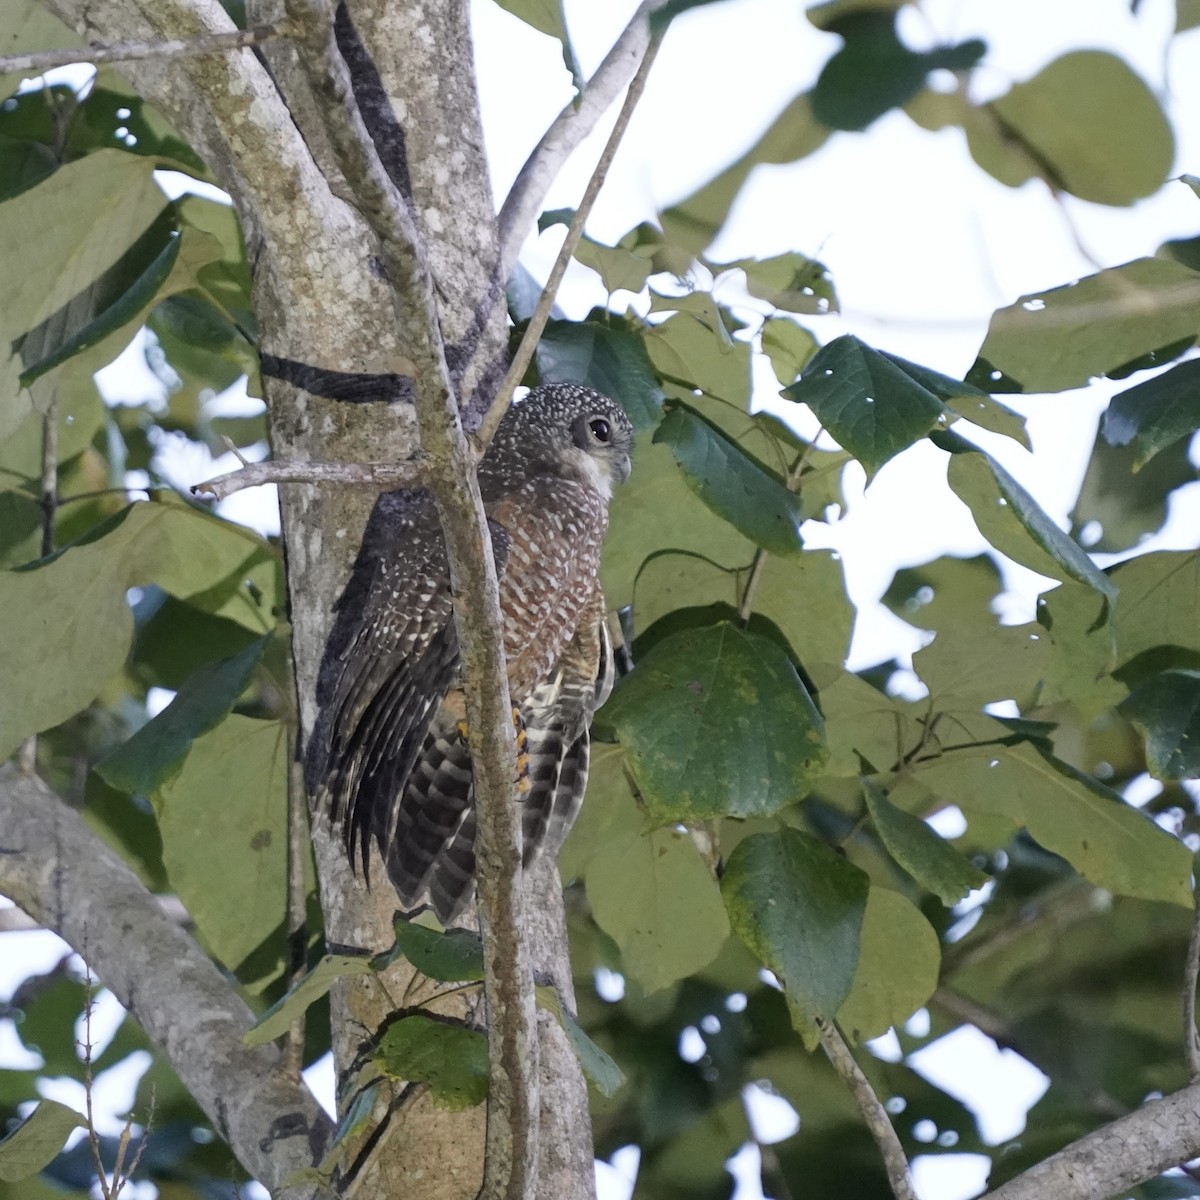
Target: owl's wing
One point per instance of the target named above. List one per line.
(390, 660)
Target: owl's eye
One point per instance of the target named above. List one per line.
(600, 429)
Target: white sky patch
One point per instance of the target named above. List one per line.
(950, 1176)
(999, 1086)
(615, 1179)
(322, 1082)
(771, 1117)
(948, 821)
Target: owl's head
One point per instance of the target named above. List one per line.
(567, 429)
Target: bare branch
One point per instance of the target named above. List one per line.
(873, 1112)
(510, 1165)
(541, 314)
(570, 127)
(38, 61)
(1191, 1037)
(66, 879)
(1111, 1160)
(370, 475)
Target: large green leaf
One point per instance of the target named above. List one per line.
(686, 349)
(28, 26)
(1092, 126)
(657, 899)
(547, 17)
(1159, 602)
(803, 595)
(1010, 518)
(789, 346)
(37, 1141)
(596, 1063)
(800, 907)
(1166, 710)
(868, 403)
(898, 962)
(731, 484)
(155, 751)
(1060, 339)
(1155, 414)
(715, 722)
(56, 238)
(451, 1058)
(69, 625)
(935, 864)
(944, 592)
(981, 661)
(455, 956)
(681, 522)
(224, 817)
(1109, 843)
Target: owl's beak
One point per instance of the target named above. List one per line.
(622, 467)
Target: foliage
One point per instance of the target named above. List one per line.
(760, 847)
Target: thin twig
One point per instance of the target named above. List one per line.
(297, 896)
(541, 314)
(371, 475)
(568, 130)
(873, 1113)
(38, 61)
(1191, 1038)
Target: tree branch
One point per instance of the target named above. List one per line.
(1114, 1158)
(873, 1113)
(510, 1166)
(1191, 1037)
(67, 880)
(570, 127)
(541, 314)
(372, 475)
(38, 61)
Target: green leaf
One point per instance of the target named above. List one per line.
(143, 763)
(898, 963)
(800, 907)
(452, 1059)
(37, 1141)
(277, 1020)
(597, 1065)
(715, 722)
(864, 400)
(1118, 509)
(1063, 338)
(1109, 843)
(681, 522)
(789, 347)
(941, 593)
(731, 484)
(1155, 414)
(224, 817)
(792, 282)
(1159, 602)
(935, 864)
(1165, 710)
(56, 238)
(657, 899)
(966, 401)
(611, 360)
(455, 956)
(685, 349)
(29, 26)
(874, 71)
(1011, 520)
(982, 661)
(69, 625)
(1095, 128)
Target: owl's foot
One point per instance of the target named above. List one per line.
(522, 781)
